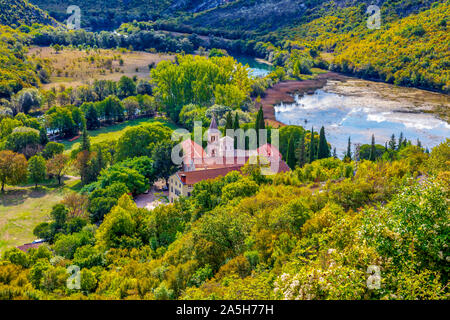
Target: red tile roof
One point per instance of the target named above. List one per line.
(221, 162)
(192, 177)
(283, 167)
(192, 150)
(268, 150)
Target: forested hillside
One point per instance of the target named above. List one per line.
(17, 12)
(413, 37)
(412, 52)
(262, 17)
(101, 14)
(16, 70)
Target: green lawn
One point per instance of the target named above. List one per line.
(23, 208)
(114, 132)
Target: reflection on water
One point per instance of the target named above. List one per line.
(257, 68)
(360, 116)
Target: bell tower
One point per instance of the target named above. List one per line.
(213, 138)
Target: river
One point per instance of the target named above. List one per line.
(357, 108)
(258, 68)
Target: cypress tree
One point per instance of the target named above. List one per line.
(228, 121)
(100, 162)
(301, 151)
(236, 122)
(392, 143)
(312, 147)
(334, 153)
(324, 151)
(419, 144)
(260, 124)
(236, 127)
(257, 122)
(291, 153)
(349, 149)
(400, 141)
(85, 141)
(85, 155)
(372, 155)
(258, 116)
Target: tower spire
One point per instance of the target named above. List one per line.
(213, 124)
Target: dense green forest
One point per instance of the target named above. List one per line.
(107, 15)
(233, 240)
(314, 232)
(18, 12)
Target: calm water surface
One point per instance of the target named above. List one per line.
(257, 69)
(359, 108)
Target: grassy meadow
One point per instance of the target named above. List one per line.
(24, 207)
(73, 67)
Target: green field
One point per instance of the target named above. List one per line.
(114, 132)
(23, 208)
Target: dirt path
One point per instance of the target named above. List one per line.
(151, 200)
